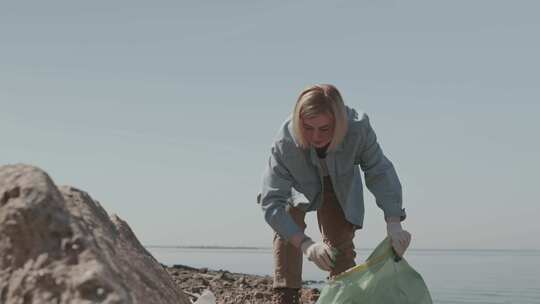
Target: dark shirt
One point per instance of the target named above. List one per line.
(321, 152)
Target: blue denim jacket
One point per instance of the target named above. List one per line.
(291, 168)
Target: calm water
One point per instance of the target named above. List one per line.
(452, 276)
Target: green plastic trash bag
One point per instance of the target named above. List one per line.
(380, 280)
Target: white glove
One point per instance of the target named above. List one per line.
(400, 238)
(319, 253)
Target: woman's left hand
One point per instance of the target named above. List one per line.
(400, 238)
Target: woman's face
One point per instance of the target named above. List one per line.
(318, 130)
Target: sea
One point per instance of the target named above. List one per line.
(452, 276)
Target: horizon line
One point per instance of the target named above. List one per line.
(359, 248)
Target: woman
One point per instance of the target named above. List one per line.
(316, 155)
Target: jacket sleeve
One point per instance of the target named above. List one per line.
(275, 194)
(379, 172)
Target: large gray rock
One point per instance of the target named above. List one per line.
(58, 245)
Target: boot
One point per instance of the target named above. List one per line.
(285, 296)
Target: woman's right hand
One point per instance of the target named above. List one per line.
(319, 253)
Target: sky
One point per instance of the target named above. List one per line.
(165, 111)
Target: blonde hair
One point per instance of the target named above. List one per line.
(320, 99)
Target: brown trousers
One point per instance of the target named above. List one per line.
(336, 232)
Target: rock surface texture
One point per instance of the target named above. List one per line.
(58, 245)
(231, 288)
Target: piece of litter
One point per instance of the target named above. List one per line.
(207, 297)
